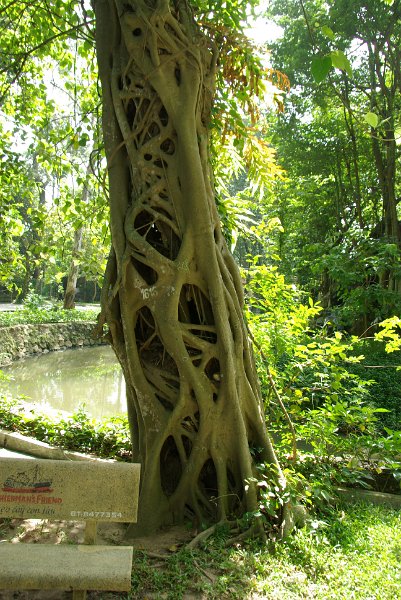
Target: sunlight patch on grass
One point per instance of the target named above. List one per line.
(355, 554)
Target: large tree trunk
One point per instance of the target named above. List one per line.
(172, 295)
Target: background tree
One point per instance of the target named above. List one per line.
(50, 115)
(339, 135)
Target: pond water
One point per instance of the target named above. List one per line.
(89, 377)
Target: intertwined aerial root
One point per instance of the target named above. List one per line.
(173, 296)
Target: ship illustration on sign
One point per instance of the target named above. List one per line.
(27, 482)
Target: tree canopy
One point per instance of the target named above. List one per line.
(338, 140)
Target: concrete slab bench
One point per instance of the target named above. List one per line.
(89, 491)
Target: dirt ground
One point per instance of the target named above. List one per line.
(34, 531)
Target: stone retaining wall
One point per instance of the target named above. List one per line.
(19, 341)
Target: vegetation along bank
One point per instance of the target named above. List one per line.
(28, 332)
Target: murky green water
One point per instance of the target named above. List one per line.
(66, 380)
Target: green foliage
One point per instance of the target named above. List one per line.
(50, 125)
(337, 141)
(383, 369)
(341, 444)
(372, 119)
(390, 333)
(322, 382)
(310, 366)
(274, 494)
(321, 65)
(43, 314)
(107, 438)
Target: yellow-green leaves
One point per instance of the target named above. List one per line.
(390, 333)
(340, 61)
(328, 32)
(371, 119)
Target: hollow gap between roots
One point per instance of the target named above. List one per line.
(153, 353)
(158, 234)
(145, 326)
(143, 106)
(130, 112)
(168, 147)
(149, 275)
(190, 424)
(236, 492)
(163, 116)
(208, 336)
(194, 307)
(177, 75)
(170, 466)
(207, 480)
(160, 163)
(165, 403)
(212, 369)
(153, 130)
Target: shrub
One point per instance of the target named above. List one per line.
(107, 438)
(383, 370)
(45, 315)
(328, 395)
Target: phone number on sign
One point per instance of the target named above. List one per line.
(96, 515)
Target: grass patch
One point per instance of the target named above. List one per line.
(355, 553)
(26, 316)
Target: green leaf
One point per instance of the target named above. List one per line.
(328, 32)
(397, 134)
(320, 67)
(340, 61)
(371, 119)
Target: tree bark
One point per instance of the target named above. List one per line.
(71, 286)
(172, 295)
(73, 273)
(384, 153)
(349, 123)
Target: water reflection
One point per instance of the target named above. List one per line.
(66, 380)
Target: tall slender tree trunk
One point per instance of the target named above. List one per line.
(172, 295)
(71, 286)
(32, 271)
(385, 152)
(385, 155)
(355, 179)
(73, 273)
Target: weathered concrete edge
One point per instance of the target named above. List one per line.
(31, 447)
(380, 498)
